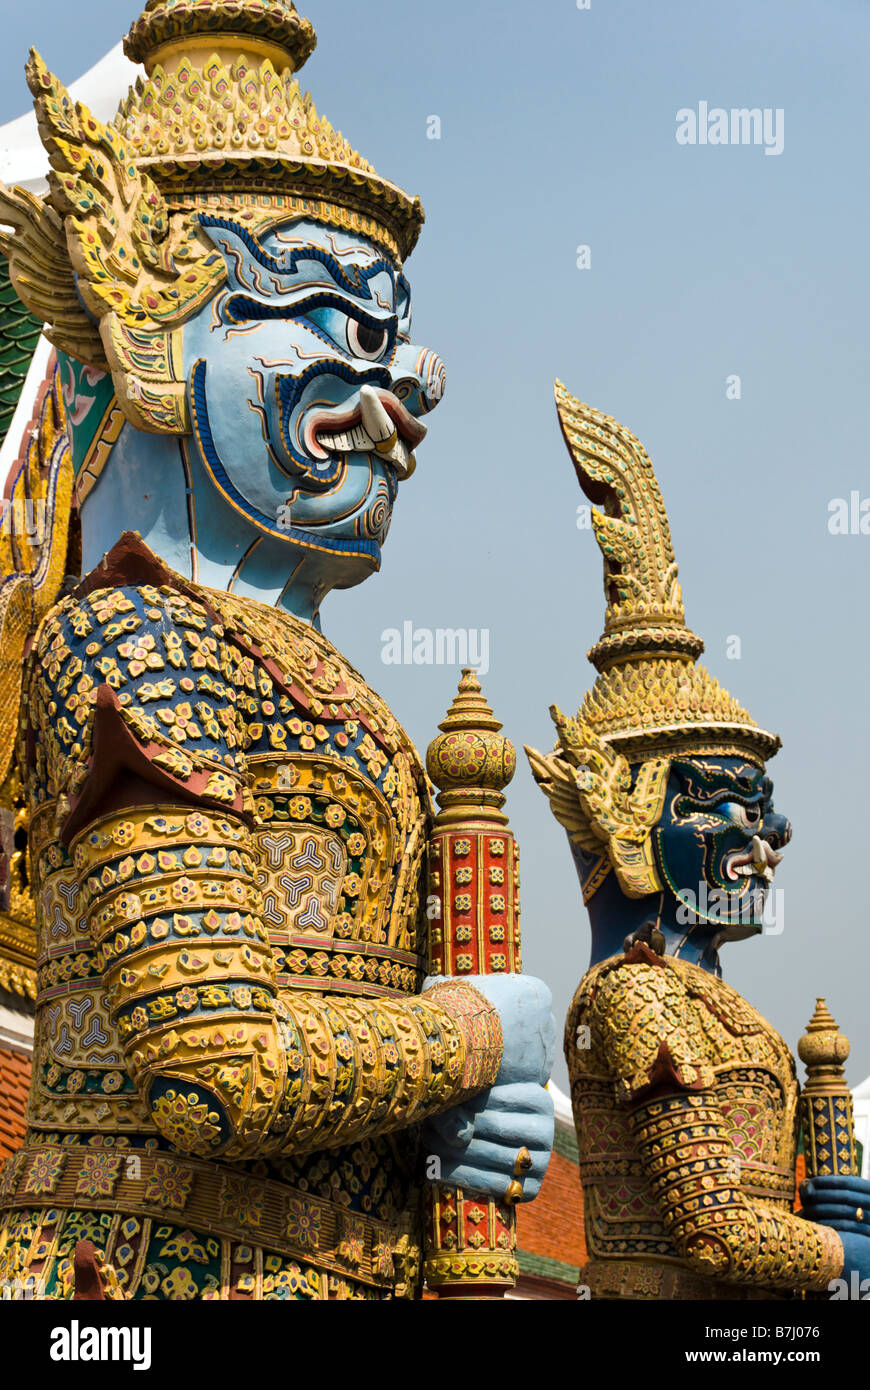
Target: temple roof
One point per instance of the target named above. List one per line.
(19, 334)
(16, 1042)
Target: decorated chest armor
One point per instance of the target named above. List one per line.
(331, 872)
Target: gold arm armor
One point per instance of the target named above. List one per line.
(687, 1153)
(145, 704)
(677, 1061)
(225, 1066)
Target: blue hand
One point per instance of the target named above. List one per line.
(836, 1202)
(476, 1144)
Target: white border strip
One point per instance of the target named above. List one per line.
(36, 375)
(16, 1032)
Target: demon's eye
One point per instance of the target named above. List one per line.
(748, 817)
(358, 335)
(361, 337)
(366, 341)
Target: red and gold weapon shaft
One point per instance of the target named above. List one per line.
(474, 929)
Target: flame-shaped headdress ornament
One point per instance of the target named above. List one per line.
(219, 124)
(651, 702)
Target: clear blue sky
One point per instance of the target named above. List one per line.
(559, 129)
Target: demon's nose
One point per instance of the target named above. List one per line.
(777, 831)
(433, 374)
(419, 379)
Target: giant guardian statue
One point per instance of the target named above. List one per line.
(685, 1098)
(239, 1033)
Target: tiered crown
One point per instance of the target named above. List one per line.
(222, 112)
(650, 697)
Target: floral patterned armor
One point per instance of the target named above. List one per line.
(227, 828)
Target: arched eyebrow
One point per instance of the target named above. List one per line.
(353, 280)
(706, 781)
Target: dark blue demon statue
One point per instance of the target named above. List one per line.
(685, 1099)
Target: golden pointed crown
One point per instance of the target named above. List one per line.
(221, 110)
(650, 697)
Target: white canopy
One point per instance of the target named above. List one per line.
(23, 161)
(22, 158)
(561, 1105)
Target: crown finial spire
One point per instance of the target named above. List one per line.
(221, 117)
(650, 696)
(272, 26)
(644, 600)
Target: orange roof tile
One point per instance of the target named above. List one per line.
(552, 1226)
(14, 1085)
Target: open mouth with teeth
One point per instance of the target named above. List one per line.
(759, 861)
(378, 424)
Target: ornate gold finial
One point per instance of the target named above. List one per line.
(650, 697)
(826, 1101)
(473, 911)
(470, 762)
(823, 1049)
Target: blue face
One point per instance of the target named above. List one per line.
(717, 844)
(306, 393)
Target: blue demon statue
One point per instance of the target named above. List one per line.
(236, 1039)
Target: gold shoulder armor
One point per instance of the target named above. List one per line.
(640, 1008)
